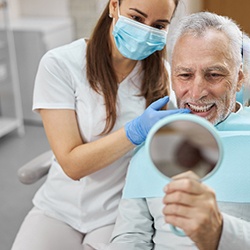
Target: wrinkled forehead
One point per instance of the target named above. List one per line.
(206, 48)
(210, 37)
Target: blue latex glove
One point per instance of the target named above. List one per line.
(137, 129)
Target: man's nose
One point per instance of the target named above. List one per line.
(198, 88)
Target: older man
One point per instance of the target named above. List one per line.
(206, 70)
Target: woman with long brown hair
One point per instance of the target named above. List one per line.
(92, 95)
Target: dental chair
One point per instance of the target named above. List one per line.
(35, 169)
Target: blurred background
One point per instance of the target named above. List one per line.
(29, 28)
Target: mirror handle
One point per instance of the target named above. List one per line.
(177, 231)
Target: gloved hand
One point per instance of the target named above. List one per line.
(137, 129)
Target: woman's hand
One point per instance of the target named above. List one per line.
(137, 129)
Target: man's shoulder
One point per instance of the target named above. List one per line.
(239, 121)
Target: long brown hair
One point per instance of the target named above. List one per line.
(102, 77)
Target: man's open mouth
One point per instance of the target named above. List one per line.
(200, 108)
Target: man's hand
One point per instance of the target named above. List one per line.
(191, 206)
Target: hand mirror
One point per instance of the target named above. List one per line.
(184, 142)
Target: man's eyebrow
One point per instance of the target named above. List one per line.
(183, 69)
(145, 15)
(217, 68)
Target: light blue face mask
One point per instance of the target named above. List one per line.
(135, 40)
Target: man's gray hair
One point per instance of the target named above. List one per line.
(197, 25)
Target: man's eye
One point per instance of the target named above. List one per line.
(214, 76)
(185, 76)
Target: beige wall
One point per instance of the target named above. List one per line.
(194, 5)
(84, 12)
(14, 7)
(55, 8)
(237, 10)
(85, 15)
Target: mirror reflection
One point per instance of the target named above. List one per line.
(183, 145)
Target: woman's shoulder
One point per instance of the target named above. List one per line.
(71, 53)
(74, 46)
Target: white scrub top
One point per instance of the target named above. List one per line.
(61, 83)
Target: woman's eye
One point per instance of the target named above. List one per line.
(160, 26)
(136, 18)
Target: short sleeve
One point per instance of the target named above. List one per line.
(53, 85)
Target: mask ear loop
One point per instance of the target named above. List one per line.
(118, 6)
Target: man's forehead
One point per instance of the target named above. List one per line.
(212, 42)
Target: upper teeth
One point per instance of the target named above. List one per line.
(200, 108)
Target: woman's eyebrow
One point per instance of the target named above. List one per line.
(140, 12)
(145, 15)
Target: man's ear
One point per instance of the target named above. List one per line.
(241, 78)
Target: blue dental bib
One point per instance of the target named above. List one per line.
(231, 181)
